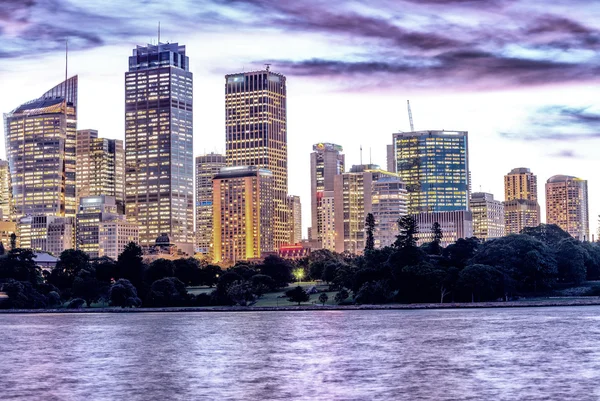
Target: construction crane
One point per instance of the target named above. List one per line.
(412, 127)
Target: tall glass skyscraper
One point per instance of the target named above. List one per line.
(40, 147)
(434, 165)
(256, 134)
(159, 161)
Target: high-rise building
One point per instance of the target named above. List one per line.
(159, 165)
(47, 233)
(328, 221)
(353, 200)
(567, 205)
(391, 159)
(100, 229)
(434, 166)
(454, 225)
(326, 161)
(256, 134)
(207, 166)
(243, 208)
(41, 148)
(295, 219)
(100, 167)
(521, 207)
(488, 216)
(5, 194)
(388, 205)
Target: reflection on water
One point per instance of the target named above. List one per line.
(499, 354)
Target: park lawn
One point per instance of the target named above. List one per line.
(278, 298)
(200, 290)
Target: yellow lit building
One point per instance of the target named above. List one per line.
(295, 219)
(256, 134)
(41, 152)
(521, 207)
(488, 216)
(243, 208)
(159, 164)
(567, 205)
(5, 195)
(207, 166)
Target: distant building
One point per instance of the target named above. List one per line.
(100, 167)
(40, 147)
(101, 229)
(207, 166)
(488, 216)
(162, 248)
(521, 207)
(51, 234)
(243, 210)
(293, 252)
(434, 166)
(295, 219)
(7, 228)
(567, 205)
(326, 162)
(327, 218)
(388, 205)
(454, 225)
(5, 194)
(256, 134)
(159, 162)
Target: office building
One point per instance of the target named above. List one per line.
(256, 134)
(389, 204)
(295, 219)
(5, 194)
(567, 205)
(454, 225)
(47, 233)
(7, 228)
(488, 216)
(434, 166)
(101, 229)
(100, 167)
(521, 207)
(327, 218)
(207, 166)
(41, 150)
(159, 165)
(243, 209)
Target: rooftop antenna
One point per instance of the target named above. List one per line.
(158, 32)
(412, 127)
(361, 155)
(268, 66)
(370, 159)
(66, 65)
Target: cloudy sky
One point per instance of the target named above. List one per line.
(520, 75)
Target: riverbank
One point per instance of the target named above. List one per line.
(291, 308)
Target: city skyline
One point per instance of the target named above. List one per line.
(527, 118)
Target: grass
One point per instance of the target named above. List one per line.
(279, 299)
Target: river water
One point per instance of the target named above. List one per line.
(480, 354)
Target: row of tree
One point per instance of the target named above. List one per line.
(535, 262)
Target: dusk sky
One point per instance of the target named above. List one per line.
(521, 76)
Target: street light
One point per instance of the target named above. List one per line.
(298, 274)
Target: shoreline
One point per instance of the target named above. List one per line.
(291, 308)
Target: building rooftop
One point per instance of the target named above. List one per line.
(562, 178)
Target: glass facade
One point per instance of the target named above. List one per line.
(159, 144)
(434, 165)
(41, 152)
(256, 134)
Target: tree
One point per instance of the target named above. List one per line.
(435, 247)
(241, 293)
(370, 227)
(209, 275)
(187, 270)
(168, 291)
(374, 292)
(480, 280)
(330, 271)
(279, 269)
(123, 294)
(549, 234)
(297, 294)
(461, 251)
(323, 298)
(23, 295)
(20, 265)
(13, 241)
(262, 283)
(341, 296)
(159, 269)
(86, 286)
(408, 230)
(130, 264)
(69, 265)
(2, 252)
(570, 258)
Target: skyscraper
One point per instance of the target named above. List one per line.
(388, 205)
(100, 167)
(567, 205)
(207, 166)
(159, 144)
(256, 134)
(488, 216)
(5, 195)
(521, 207)
(40, 145)
(243, 214)
(434, 165)
(326, 161)
(295, 219)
